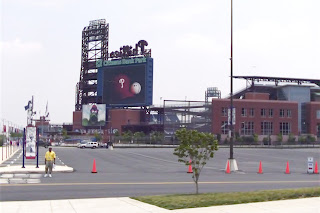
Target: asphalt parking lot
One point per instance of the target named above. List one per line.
(150, 171)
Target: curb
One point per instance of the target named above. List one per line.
(30, 169)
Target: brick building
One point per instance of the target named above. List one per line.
(256, 116)
(270, 110)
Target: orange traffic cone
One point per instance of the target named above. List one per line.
(94, 170)
(260, 168)
(228, 167)
(190, 168)
(287, 169)
(316, 168)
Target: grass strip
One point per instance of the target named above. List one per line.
(182, 201)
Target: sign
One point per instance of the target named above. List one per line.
(126, 51)
(233, 116)
(94, 115)
(124, 61)
(310, 165)
(31, 139)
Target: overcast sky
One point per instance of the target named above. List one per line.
(190, 41)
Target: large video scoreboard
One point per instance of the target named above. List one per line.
(126, 82)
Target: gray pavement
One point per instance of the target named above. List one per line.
(29, 175)
(125, 204)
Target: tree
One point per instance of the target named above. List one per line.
(2, 139)
(291, 138)
(156, 137)
(138, 136)
(16, 135)
(127, 136)
(255, 138)
(97, 136)
(65, 134)
(280, 138)
(195, 149)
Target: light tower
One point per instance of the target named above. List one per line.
(95, 42)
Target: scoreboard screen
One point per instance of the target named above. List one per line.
(126, 84)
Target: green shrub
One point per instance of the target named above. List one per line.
(266, 140)
(302, 139)
(226, 141)
(239, 139)
(237, 135)
(247, 139)
(291, 138)
(2, 139)
(310, 139)
(279, 137)
(218, 137)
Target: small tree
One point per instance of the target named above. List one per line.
(97, 136)
(291, 138)
(16, 135)
(116, 136)
(280, 138)
(127, 136)
(156, 137)
(255, 139)
(2, 139)
(219, 137)
(138, 136)
(65, 134)
(195, 149)
(302, 139)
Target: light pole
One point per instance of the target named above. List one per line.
(233, 162)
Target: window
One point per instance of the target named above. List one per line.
(247, 128)
(251, 112)
(266, 128)
(224, 127)
(270, 113)
(318, 114)
(243, 112)
(289, 113)
(263, 112)
(285, 128)
(224, 111)
(281, 113)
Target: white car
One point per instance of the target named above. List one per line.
(88, 144)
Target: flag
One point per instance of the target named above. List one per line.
(47, 112)
(4, 128)
(28, 106)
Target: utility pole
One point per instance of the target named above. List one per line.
(233, 162)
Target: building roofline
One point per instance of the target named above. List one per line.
(277, 80)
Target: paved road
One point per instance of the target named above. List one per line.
(132, 172)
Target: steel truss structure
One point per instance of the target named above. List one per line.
(278, 80)
(186, 114)
(95, 42)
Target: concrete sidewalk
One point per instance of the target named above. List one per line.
(13, 169)
(125, 204)
(32, 169)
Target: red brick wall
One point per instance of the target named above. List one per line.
(257, 96)
(119, 117)
(311, 116)
(257, 105)
(77, 120)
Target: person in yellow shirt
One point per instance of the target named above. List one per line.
(49, 161)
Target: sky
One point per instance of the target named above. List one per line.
(40, 46)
